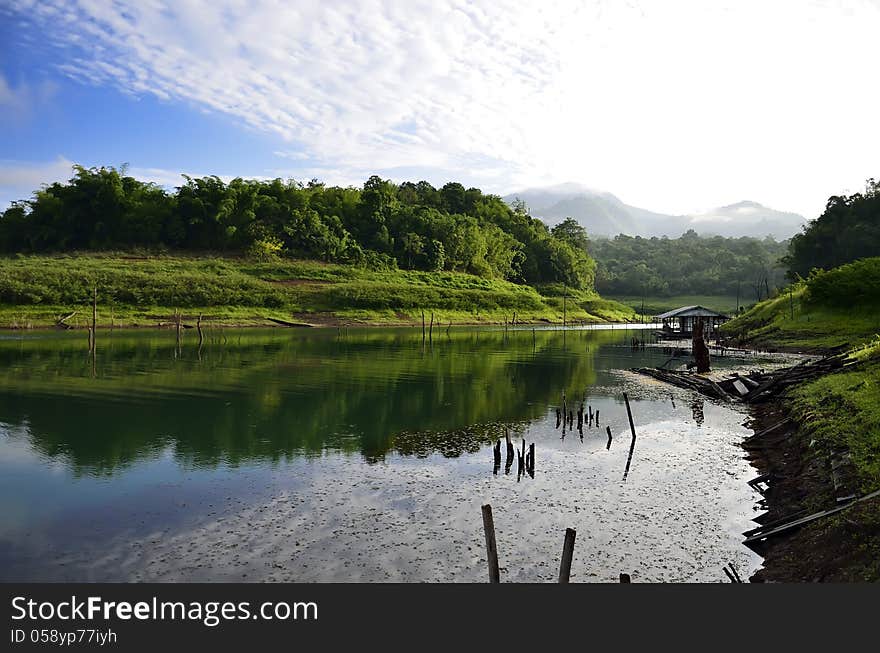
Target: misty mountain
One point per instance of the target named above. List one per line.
(603, 214)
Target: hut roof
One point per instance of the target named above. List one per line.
(690, 311)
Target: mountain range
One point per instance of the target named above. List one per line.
(603, 214)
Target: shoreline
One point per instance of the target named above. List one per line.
(800, 476)
(802, 481)
(801, 473)
(301, 321)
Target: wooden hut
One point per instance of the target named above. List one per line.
(679, 323)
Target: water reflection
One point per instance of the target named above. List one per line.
(249, 464)
(260, 395)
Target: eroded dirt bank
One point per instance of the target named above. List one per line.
(842, 547)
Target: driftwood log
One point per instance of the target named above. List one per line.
(758, 386)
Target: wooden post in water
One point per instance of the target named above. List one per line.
(177, 321)
(564, 297)
(491, 548)
(632, 445)
(567, 555)
(431, 330)
(201, 337)
(95, 320)
(629, 414)
(608, 431)
(423, 324)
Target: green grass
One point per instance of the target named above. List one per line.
(655, 305)
(840, 306)
(146, 290)
(793, 321)
(843, 411)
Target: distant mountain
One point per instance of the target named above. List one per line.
(747, 219)
(603, 214)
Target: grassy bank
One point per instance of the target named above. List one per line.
(829, 309)
(838, 307)
(836, 413)
(842, 411)
(835, 419)
(145, 290)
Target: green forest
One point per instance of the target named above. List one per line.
(381, 226)
(688, 265)
(847, 230)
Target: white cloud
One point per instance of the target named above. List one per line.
(18, 180)
(670, 105)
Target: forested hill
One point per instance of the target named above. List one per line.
(848, 229)
(689, 265)
(382, 225)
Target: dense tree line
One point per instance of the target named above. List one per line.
(849, 229)
(688, 265)
(410, 225)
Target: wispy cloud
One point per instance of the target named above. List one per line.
(17, 103)
(652, 100)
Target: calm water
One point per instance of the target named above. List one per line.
(364, 455)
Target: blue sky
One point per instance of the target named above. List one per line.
(677, 106)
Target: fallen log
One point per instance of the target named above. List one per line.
(60, 322)
(288, 324)
(765, 533)
(770, 429)
(686, 380)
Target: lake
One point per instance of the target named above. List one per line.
(358, 455)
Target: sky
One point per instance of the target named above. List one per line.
(674, 106)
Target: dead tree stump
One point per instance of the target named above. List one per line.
(701, 351)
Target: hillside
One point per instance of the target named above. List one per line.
(833, 308)
(140, 290)
(381, 226)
